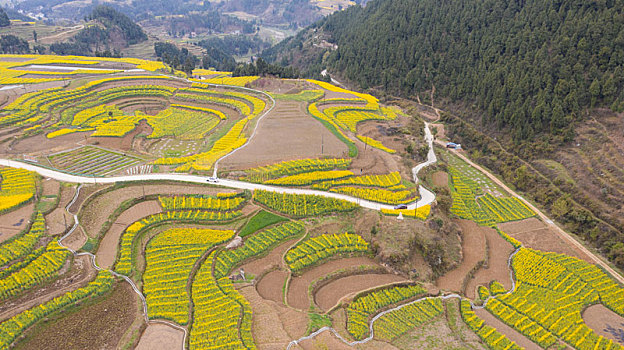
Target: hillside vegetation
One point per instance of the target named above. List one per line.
(531, 66)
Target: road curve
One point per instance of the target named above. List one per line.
(427, 197)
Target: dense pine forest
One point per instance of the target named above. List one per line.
(531, 66)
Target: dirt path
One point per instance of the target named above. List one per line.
(159, 336)
(298, 289)
(563, 234)
(473, 251)
(107, 251)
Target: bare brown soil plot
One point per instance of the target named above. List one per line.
(440, 178)
(271, 284)
(97, 325)
(604, 322)
(50, 187)
(85, 192)
(330, 294)
(515, 227)
(273, 324)
(58, 221)
(325, 340)
(298, 288)
(107, 251)
(499, 251)
(274, 258)
(388, 132)
(159, 336)
(40, 144)
(97, 211)
(14, 222)
(286, 133)
(76, 240)
(435, 334)
(511, 333)
(122, 143)
(79, 275)
(473, 251)
(537, 235)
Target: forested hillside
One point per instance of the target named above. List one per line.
(107, 31)
(531, 66)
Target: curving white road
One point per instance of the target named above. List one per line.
(427, 197)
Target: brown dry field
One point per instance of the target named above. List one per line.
(511, 333)
(373, 161)
(96, 212)
(270, 286)
(274, 258)
(440, 178)
(86, 191)
(107, 251)
(330, 294)
(379, 130)
(473, 251)
(15, 221)
(80, 274)
(159, 336)
(102, 324)
(40, 144)
(58, 217)
(497, 269)
(121, 143)
(298, 289)
(435, 334)
(286, 133)
(441, 135)
(50, 187)
(598, 318)
(536, 235)
(76, 240)
(273, 325)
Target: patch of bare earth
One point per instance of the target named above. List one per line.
(273, 325)
(499, 251)
(50, 187)
(107, 251)
(440, 178)
(473, 251)
(271, 260)
(435, 334)
(271, 285)
(536, 235)
(96, 212)
(605, 322)
(298, 287)
(40, 144)
(78, 276)
(97, 325)
(159, 336)
(287, 132)
(330, 294)
(511, 333)
(387, 131)
(122, 143)
(15, 221)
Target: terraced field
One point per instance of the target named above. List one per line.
(303, 252)
(90, 160)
